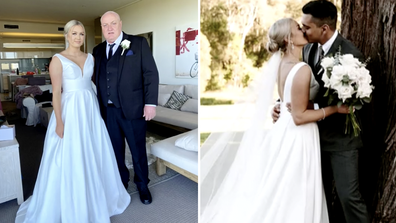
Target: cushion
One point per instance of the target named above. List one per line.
(188, 120)
(168, 89)
(166, 150)
(36, 81)
(45, 96)
(21, 81)
(191, 105)
(163, 98)
(191, 90)
(188, 141)
(176, 100)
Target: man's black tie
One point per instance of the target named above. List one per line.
(110, 51)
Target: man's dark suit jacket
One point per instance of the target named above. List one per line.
(332, 128)
(137, 75)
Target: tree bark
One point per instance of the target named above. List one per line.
(371, 26)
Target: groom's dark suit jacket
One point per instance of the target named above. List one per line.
(137, 77)
(332, 128)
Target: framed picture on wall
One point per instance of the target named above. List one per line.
(186, 51)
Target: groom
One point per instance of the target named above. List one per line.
(339, 151)
(127, 80)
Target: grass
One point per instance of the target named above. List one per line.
(204, 136)
(214, 101)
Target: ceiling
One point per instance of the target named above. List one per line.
(58, 11)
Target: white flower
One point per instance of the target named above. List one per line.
(326, 80)
(336, 86)
(125, 45)
(327, 62)
(364, 91)
(352, 73)
(345, 92)
(349, 60)
(348, 78)
(363, 76)
(337, 75)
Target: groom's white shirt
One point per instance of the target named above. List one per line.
(115, 47)
(326, 47)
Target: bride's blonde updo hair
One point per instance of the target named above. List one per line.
(67, 28)
(278, 32)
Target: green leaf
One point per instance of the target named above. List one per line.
(355, 101)
(367, 99)
(331, 99)
(339, 103)
(327, 92)
(358, 106)
(345, 79)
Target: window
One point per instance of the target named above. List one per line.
(5, 66)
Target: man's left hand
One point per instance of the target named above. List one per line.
(149, 112)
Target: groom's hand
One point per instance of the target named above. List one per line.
(288, 106)
(275, 112)
(149, 112)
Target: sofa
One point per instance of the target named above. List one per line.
(178, 109)
(179, 153)
(177, 106)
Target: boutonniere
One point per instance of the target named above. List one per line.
(125, 45)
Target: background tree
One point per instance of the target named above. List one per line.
(205, 59)
(237, 35)
(371, 26)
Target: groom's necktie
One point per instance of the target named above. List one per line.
(110, 51)
(319, 56)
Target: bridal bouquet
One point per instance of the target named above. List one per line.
(348, 82)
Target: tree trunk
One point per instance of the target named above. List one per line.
(371, 26)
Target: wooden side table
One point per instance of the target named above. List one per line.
(10, 172)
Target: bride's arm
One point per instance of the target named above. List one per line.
(56, 80)
(300, 100)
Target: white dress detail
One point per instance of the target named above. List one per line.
(78, 179)
(280, 181)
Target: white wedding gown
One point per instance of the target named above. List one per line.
(277, 182)
(78, 179)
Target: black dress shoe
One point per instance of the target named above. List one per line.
(145, 196)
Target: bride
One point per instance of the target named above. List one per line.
(78, 179)
(273, 176)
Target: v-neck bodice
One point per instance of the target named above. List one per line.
(73, 78)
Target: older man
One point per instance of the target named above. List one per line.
(126, 77)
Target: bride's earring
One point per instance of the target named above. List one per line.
(292, 45)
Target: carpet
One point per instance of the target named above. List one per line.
(154, 178)
(151, 159)
(175, 200)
